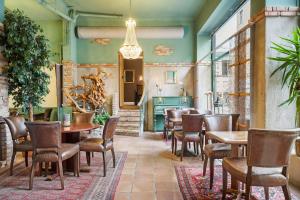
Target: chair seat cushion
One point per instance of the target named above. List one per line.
(24, 146)
(93, 145)
(189, 137)
(261, 176)
(68, 150)
(217, 150)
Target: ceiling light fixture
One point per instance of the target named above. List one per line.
(130, 48)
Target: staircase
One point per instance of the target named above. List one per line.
(130, 124)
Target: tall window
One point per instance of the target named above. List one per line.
(231, 65)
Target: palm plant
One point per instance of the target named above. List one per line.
(290, 66)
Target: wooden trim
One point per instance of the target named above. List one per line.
(240, 63)
(239, 94)
(111, 65)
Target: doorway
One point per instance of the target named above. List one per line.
(131, 79)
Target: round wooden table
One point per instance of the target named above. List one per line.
(71, 134)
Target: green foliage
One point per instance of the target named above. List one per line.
(101, 118)
(27, 52)
(290, 66)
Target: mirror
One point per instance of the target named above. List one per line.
(171, 77)
(131, 81)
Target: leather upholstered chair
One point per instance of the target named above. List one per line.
(47, 147)
(103, 144)
(19, 136)
(83, 118)
(216, 150)
(266, 163)
(191, 132)
(175, 126)
(167, 123)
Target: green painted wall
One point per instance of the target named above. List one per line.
(1, 10)
(203, 46)
(53, 32)
(90, 52)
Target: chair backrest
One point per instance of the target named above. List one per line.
(218, 122)
(83, 117)
(110, 128)
(235, 119)
(194, 111)
(270, 148)
(166, 110)
(16, 126)
(192, 123)
(45, 135)
(177, 113)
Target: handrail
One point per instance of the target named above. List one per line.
(143, 96)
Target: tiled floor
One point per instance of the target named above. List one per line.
(149, 172)
(149, 169)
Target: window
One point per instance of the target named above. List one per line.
(231, 65)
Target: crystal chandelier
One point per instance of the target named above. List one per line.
(130, 48)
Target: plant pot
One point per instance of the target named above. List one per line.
(297, 145)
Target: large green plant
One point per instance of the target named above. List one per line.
(27, 52)
(290, 67)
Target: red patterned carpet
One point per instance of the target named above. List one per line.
(194, 186)
(90, 185)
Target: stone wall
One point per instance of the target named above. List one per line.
(5, 136)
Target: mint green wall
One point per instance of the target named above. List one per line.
(1, 10)
(203, 46)
(69, 42)
(90, 52)
(53, 32)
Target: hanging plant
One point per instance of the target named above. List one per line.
(27, 52)
(290, 66)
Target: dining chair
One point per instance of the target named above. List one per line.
(47, 147)
(103, 144)
(175, 126)
(191, 132)
(266, 163)
(79, 118)
(216, 150)
(19, 135)
(167, 123)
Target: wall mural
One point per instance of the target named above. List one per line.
(102, 41)
(161, 50)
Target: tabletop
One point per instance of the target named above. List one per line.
(229, 137)
(79, 127)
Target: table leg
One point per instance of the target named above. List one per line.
(234, 153)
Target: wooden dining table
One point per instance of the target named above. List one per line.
(71, 134)
(235, 139)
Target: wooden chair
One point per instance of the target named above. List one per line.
(167, 123)
(83, 118)
(103, 144)
(175, 126)
(191, 132)
(266, 163)
(47, 147)
(19, 136)
(216, 150)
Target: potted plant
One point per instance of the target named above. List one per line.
(290, 66)
(27, 52)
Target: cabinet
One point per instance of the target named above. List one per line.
(160, 103)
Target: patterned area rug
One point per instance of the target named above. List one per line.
(90, 185)
(194, 186)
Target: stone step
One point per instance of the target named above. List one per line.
(123, 113)
(129, 124)
(129, 119)
(127, 132)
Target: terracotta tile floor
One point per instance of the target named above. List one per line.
(149, 172)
